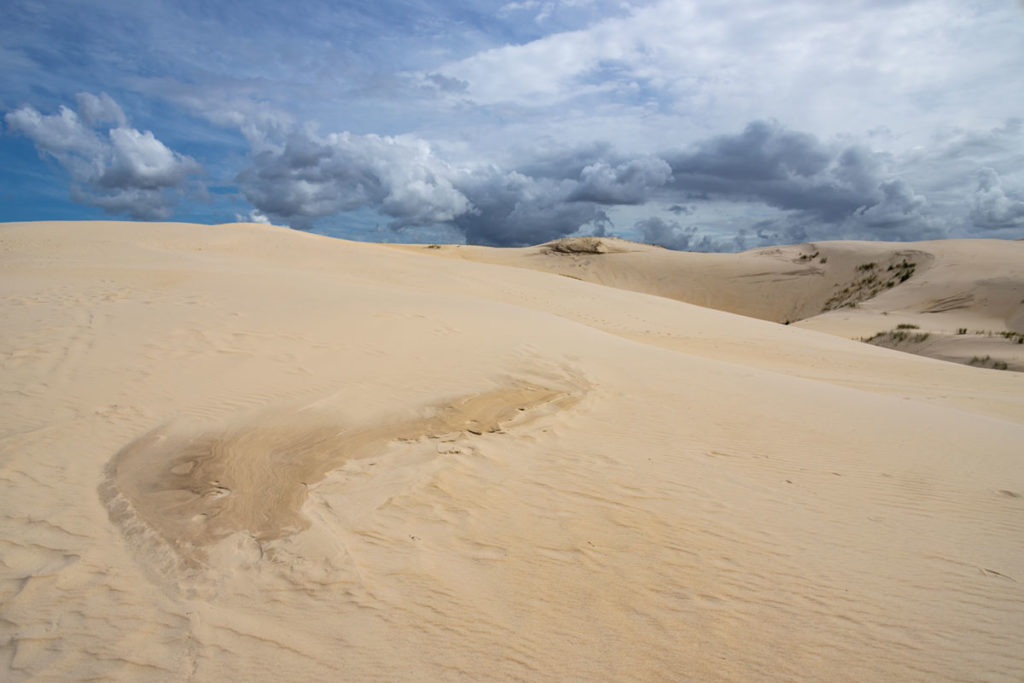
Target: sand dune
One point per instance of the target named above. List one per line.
(853, 289)
(245, 453)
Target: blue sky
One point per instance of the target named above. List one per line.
(693, 124)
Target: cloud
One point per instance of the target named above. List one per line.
(979, 143)
(766, 179)
(788, 170)
(672, 235)
(991, 207)
(62, 135)
(312, 177)
(562, 12)
(252, 217)
(138, 160)
(899, 206)
(226, 102)
(97, 109)
(631, 182)
(124, 171)
(820, 66)
(446, 84)
(763, 151)
(821, 189)
(513, 209)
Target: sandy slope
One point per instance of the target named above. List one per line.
(241, 452)
(853, 289)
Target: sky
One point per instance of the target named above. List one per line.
(694, 124)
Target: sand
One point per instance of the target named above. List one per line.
(241, 452)
(967, 295)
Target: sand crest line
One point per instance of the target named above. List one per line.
(192, 488)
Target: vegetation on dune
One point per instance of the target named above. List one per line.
(898, 336)
(901, 338)
(903, 270)
(810, 256)
(578, 245)
(870, 281)
(987, 362)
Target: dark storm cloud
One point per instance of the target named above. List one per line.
(787, 170)
(312, 177)
(822, 190)
(763, 151)
(818, 190)
(512, 209)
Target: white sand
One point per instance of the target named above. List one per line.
(246, 453)
(834, 287)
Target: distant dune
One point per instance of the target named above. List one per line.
(242, 452)
(966, 295)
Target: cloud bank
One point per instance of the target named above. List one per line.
(798, 185)
(811, 189)
(311, 176)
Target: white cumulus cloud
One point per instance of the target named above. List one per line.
(122, 170)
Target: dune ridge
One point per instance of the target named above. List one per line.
(244, 452)
(853, 289)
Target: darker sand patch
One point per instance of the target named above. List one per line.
(192, 489)
(585, 245)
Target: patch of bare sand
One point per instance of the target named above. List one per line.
(689, 494)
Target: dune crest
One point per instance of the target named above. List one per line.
(851, 289)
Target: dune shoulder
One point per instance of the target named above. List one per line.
(858, 290)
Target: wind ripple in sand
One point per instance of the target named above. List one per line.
(194, 489)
